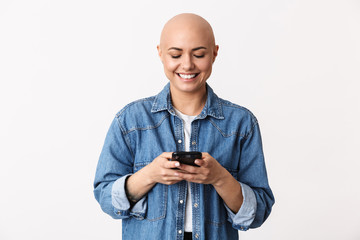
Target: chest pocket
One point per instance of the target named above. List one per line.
(215, 211)
(156, 198)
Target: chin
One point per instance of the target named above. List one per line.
(188, 87)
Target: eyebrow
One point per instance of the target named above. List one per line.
(179, 49)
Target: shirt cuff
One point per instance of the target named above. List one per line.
(246, 214)
(121, 203)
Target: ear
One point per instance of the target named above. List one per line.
(215, 52)
(159, 50)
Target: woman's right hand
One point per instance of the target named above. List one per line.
(160, 170)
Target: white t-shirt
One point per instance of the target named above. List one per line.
(187, 133)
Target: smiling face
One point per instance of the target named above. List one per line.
(187, 50)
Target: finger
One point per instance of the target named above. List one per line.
(174, 182)
(172, 178)
(200, 162)
(167, 155)
(190, 177)
(205, 155)
(171, 181)
(189, 168)
(169, 175)
(171, 164)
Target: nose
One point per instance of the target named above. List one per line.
(187, 62)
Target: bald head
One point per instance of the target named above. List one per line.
(187, 50)
(186, 23)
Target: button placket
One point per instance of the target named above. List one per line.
(194, 135)
(179, 135)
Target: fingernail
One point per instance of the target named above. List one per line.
(177, 164)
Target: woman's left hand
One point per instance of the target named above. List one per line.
(209, 172)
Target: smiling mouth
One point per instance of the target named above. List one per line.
(187, 76)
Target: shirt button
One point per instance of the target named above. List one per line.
(118, 212)
(241, 228)
(193, 143)
(196, 205)
(196, 235)
(181, 201)
(180, 232)
(179, 141)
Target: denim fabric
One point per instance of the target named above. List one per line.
(143, 130)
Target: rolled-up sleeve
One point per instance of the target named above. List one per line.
(254, 182)
(114, 166)
(246, 214)
(121, 203)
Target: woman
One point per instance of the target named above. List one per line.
(162, 199)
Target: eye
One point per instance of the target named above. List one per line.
(175, 56)
(199, 56)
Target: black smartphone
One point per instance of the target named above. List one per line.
(186, 157)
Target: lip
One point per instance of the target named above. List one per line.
(187, 79)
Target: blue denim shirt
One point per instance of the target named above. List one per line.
(143, 130)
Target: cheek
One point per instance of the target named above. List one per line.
(170, 65)
(205, 65)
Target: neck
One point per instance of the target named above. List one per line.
(189, 103)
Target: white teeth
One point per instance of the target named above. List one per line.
(187, 76)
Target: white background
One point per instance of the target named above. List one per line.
(66, 68)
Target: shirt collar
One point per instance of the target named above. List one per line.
(212, 106)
